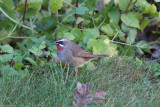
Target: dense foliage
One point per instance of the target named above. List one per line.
(28, 28)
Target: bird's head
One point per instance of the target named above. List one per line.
(61, 43)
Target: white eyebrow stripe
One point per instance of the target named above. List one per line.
(61, 40)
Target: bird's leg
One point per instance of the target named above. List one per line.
(76, 70)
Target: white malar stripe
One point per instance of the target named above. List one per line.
(61, 45)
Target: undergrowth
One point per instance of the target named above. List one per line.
(125, 83)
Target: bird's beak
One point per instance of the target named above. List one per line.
(54, 43)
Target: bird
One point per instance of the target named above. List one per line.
(72, 54)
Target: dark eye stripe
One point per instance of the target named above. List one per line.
(60, 42)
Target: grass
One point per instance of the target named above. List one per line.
(125, 84)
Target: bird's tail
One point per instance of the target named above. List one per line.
(98, 56)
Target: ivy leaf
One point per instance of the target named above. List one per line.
(90, 33)
(81, 10)
(7, 48)
(55, 5)
(143, 45)
(130, 20)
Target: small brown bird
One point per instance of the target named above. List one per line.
(73, 55)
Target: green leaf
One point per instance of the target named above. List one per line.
(18, 58)
(107, 29)
(121, 35)
(114, 14)
(150, 9)
(89, 33)
(6, 57)
(55, 5)
(143, 45)
(131, 36)
(129, 51)
(98, 46)
(77, 34)
(157, 74)
(8, 7)
(69, 36)
(139, 50)
(31, 61)
(7, 48)
(130, 20)
(144, 23)
(18, 66)
(123, 4)
(33, 7)
(81, 10)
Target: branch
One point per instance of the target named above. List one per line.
(76, 15)
(128, 6)
(16, 21)
(24, 14)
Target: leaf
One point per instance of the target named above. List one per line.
(114, 14)
(107, 29)
(18, 66)
(123, 4)
(90, 33)
(33, 7)
(157, 74)
(77, 34)
(6, 57)
(31, 61)
(131, 36)
(55, 5)
(150, 9)
(143, 45)
(84, 89)
(144, 23)
(130, 20)
(7, 48)
(69, 36)
(8, 6)
(98, 46)
(100, 94)
(81, 10)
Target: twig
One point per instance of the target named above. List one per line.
(128, 6)
(76, 15)
(24, 14)
(142, 19)
(16, 21)
(69, 4)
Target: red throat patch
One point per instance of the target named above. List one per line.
(59, 48)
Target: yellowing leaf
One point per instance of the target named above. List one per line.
(106, 1)
(55, 5)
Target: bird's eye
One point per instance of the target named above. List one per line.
(60, 42)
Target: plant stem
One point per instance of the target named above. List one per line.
(16, 21)
(76, 15)
(24, 14)
(128, 6)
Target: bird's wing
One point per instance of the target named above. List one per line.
(79, 52)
